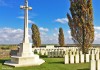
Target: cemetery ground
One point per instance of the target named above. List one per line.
(50, 64)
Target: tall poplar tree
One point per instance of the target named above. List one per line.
(81, 23)
(61, 37)
(36, 35)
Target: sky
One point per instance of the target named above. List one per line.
(48, 15)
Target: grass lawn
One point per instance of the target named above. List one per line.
(50, 64)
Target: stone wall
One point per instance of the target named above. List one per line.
(4, 54)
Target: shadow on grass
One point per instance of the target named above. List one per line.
(3, 60)
(43, 56)
(56, 62)
(84, 69)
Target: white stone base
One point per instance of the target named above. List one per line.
(25, 57)
(17, 61)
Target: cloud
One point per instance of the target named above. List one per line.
(15, 36)
(69, 32)
(56, 29)
(29, 21)
(96, 35)
(62, 20)
(10, 35)
(55, 34)
(49, 39)
(97, 27)
(44, 29)
(20, 17)
(3, 3)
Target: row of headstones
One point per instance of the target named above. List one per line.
(50, 52)
(54, 52)
(62, 53)
(80, 58)
(95, 64)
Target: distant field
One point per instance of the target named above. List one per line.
(43, 45)
(50, 64)
(7, 47)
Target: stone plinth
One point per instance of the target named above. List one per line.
(25, 50)
(17, 61)
(25, 57)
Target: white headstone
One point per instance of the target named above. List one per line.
(46, 52)
(49, 54)
(92, 65)
(61, 53)
(93, 52)
(55, 53)
(98, 64)
(71, 58)
(77, 51)
(58, 53)
(70, 52)
(52, 53)
(77, 58)
(66, 59)
(80, 52)
(73, 52)
(49, 46)
(82, 58)
(87, 57)
(38, 51)
(92, 56)
(89, 51)
(97, 56)
(66, 52)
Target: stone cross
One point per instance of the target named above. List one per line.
(26, 8)
(25, 56)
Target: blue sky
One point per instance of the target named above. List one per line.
(48, 15)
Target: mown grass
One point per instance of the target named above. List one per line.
(50, 64)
